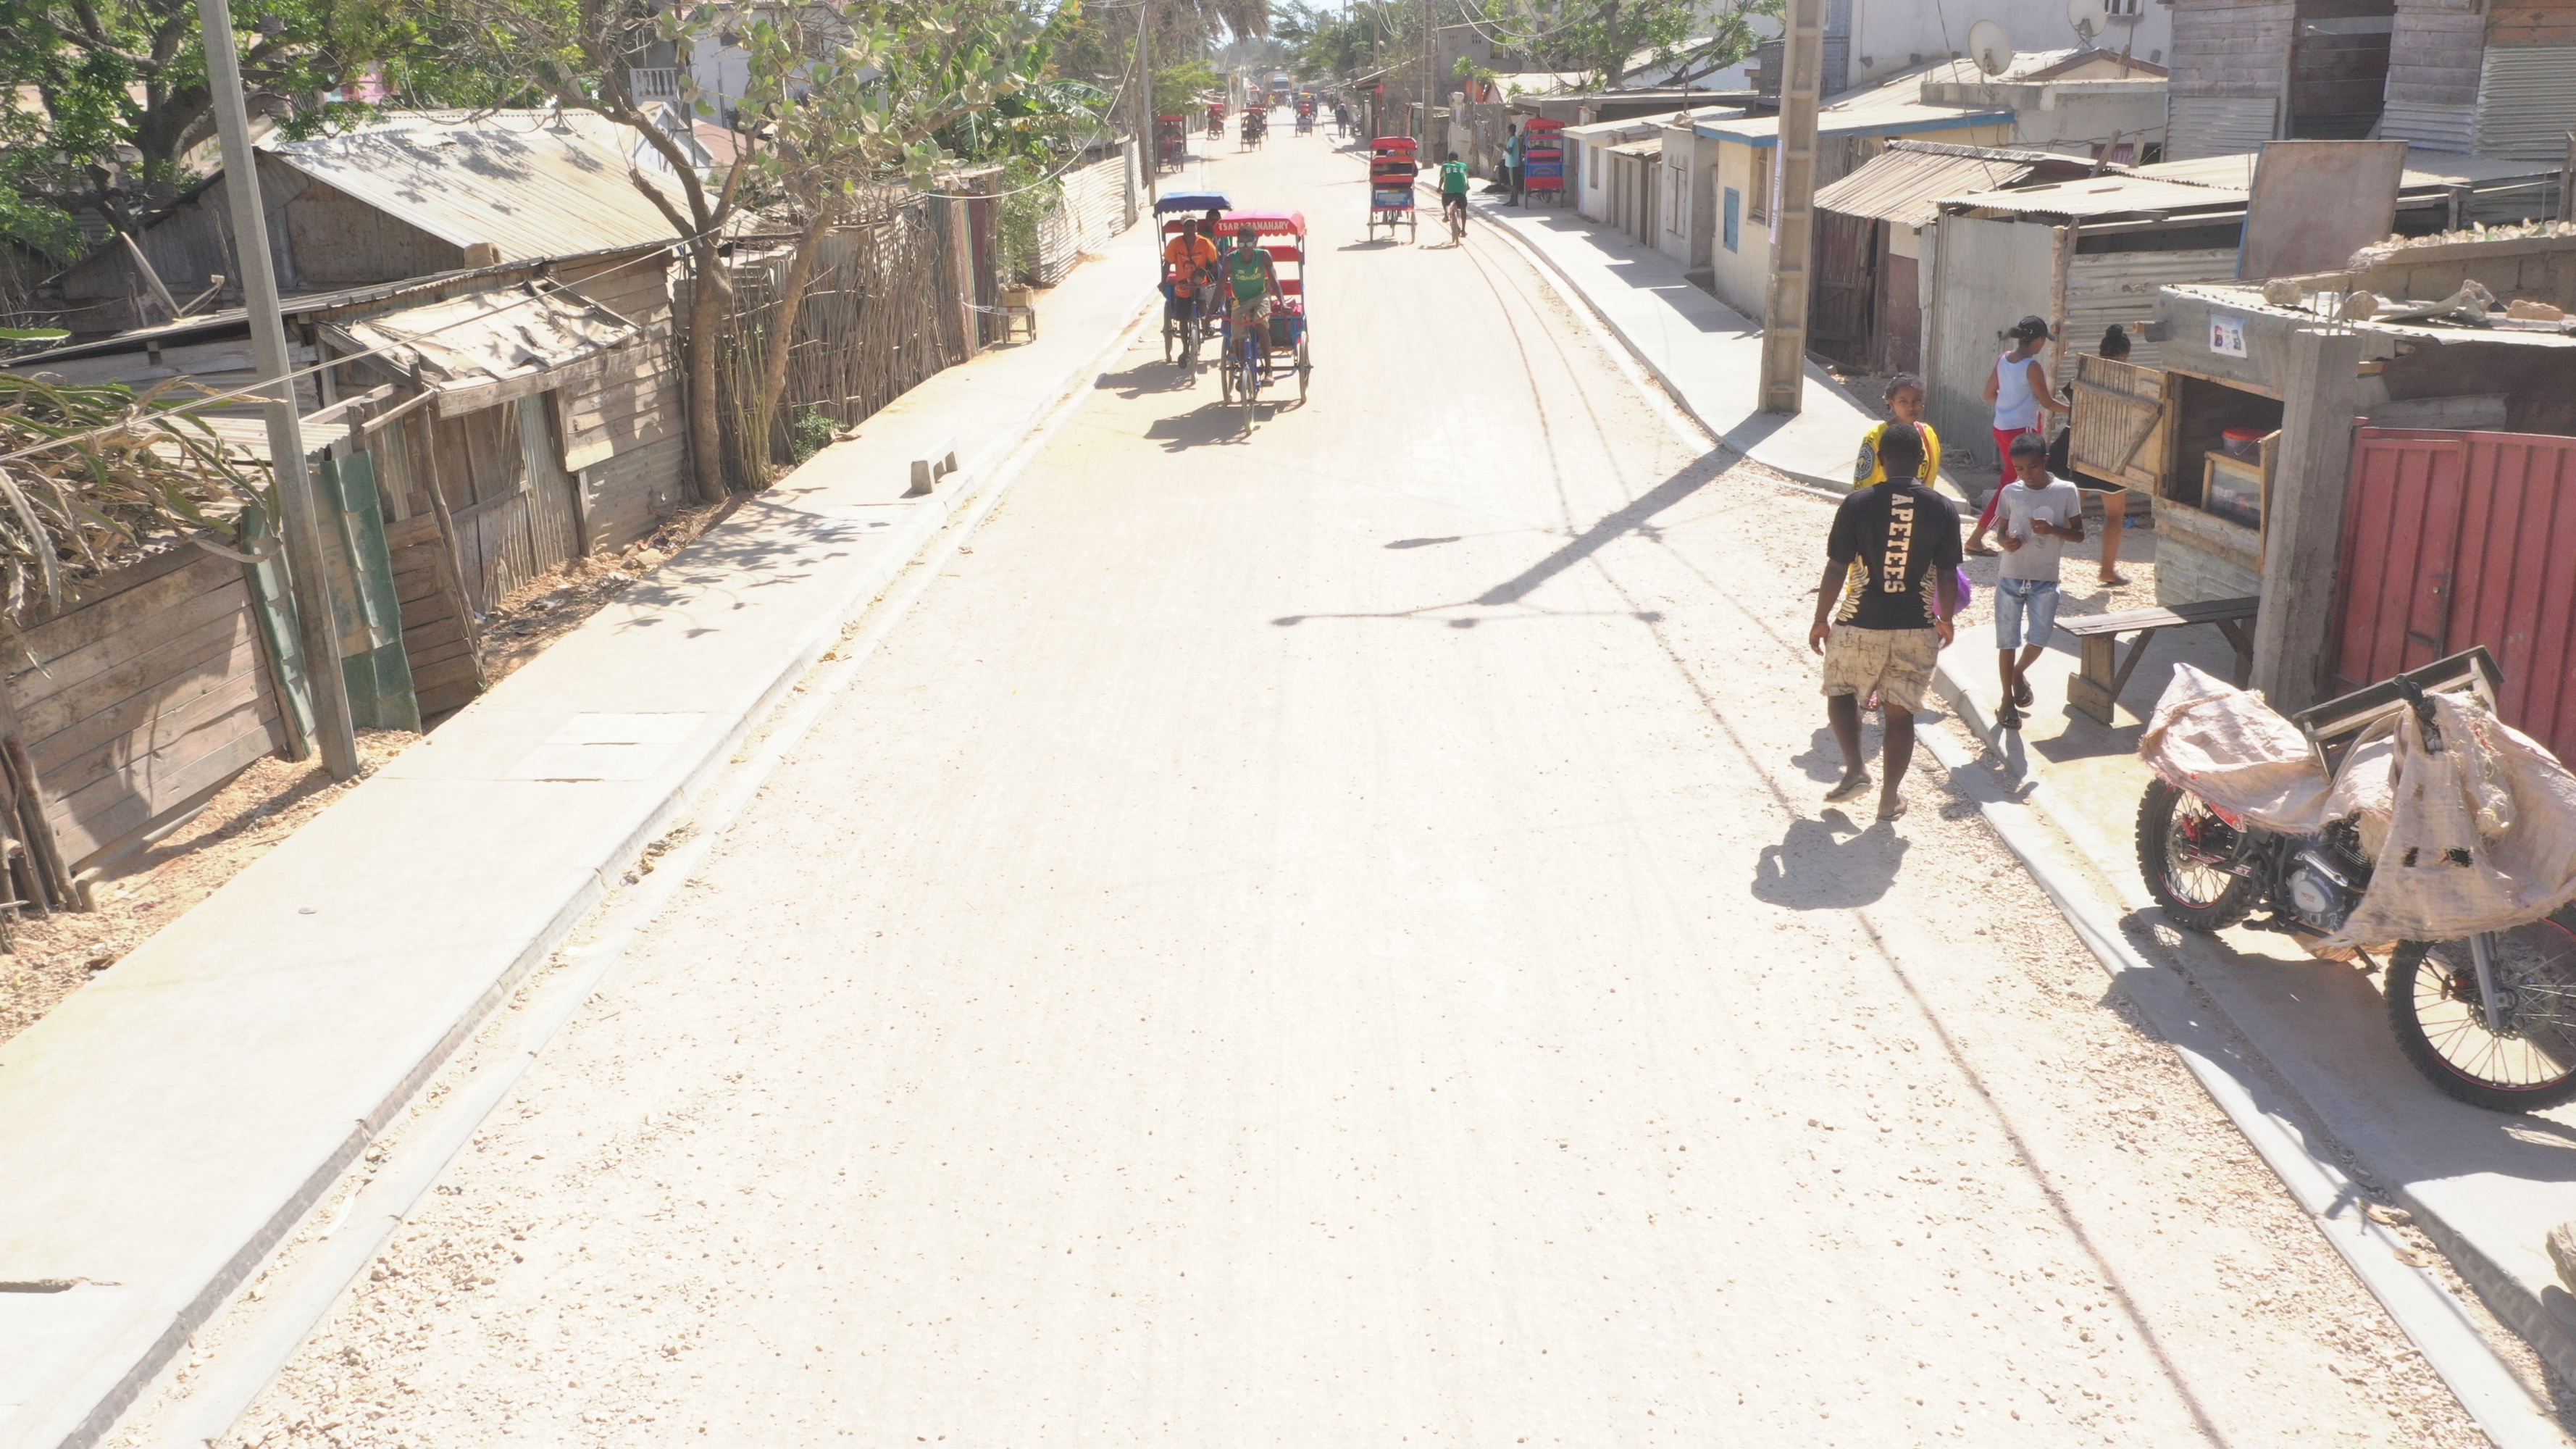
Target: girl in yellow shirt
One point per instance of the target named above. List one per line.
(1905, 399)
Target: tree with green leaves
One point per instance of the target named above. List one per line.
(847, 101)
(1607, 40)
(1360, 39)
(839, 95)
(122, 97)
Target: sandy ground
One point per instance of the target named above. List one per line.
(151, 887)
(156, 884)
(1330, 937)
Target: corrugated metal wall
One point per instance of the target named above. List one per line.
(1093, 209)
(1987, 275)
(2107, 287)
(2218, 125)
(625, 428)
(2527, 102)
(2437, 128)
(2457, 538)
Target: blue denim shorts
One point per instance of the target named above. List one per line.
(2020, 602)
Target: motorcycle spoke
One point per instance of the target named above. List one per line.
(2536, 971)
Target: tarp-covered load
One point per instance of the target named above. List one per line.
(2472, 830)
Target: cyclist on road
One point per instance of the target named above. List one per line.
(1453, 192)
(1250, 279)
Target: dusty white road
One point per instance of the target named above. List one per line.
(1330, 938)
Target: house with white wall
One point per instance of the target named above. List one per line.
(1720, 182)
(1888, 36)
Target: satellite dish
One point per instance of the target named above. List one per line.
(2089, 17)
(1990, 47)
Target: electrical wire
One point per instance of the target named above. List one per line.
(259, 390)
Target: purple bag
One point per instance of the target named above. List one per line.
(1967, 590)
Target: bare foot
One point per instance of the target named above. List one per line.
(2115, 581)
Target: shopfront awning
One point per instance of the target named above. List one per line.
(490, 347)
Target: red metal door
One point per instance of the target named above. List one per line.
(2457, 538)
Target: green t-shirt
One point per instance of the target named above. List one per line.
(1453, 178)
(1247, 268)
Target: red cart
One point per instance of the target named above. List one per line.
(1392, 167)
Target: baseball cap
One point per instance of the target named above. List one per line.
(2029, 327)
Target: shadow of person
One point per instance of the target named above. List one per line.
(1822, 759)
(1145, 379)
(1828, 865)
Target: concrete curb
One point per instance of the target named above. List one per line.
(86, 1411)
(2513, 1301)
(433, 1135)
(2420, 1304)
(2227, 1066)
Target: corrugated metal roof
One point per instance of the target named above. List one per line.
(1641, 148)
(2432, 170)
(531, 194)
(486, 347)
(1641, 126)
(1906, 186)
(2103, 196)
(1965, 71)
(1892, 107)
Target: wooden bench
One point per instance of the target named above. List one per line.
(2096, 686)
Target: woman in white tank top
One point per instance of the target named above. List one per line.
(2021, 402)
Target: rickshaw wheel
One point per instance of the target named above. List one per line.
(1305, 366)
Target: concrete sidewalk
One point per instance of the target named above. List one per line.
(1705, 353)
(165, 1127)
(2485, 1187)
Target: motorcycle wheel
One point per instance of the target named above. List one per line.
(2196, 896)
(2441, 1025)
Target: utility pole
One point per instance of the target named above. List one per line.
(1429, 81)
(1784, 317)
(1149, 142)
(301, 527)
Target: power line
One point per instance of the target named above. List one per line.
(259, 389)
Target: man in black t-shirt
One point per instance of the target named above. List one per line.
(1883, 610)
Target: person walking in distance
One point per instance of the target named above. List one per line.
(2114, 496)
(2018, 387)
(2040, 515)
(1512, 161)
(1881, 625)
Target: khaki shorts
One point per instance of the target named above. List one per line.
(1894, 664)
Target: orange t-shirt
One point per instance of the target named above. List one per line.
(1185, 255)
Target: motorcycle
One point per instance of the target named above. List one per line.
(2490, 1020)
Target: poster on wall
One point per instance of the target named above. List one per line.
(2226, 335)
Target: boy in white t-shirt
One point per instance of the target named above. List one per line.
(2037, 516)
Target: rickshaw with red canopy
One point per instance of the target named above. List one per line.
(1392, 166)
(1171, 142)
(1252, 357)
